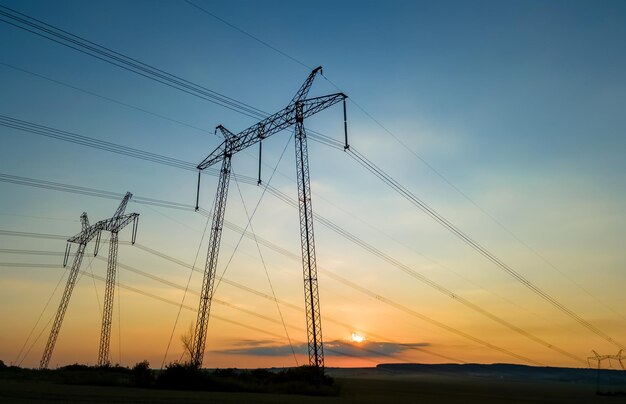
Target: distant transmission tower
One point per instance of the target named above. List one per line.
(601, 358)
(114, 225)
(294, 114)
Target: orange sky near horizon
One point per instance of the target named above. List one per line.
(506, 118)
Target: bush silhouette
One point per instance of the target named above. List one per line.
(142, 375)
(183, 377)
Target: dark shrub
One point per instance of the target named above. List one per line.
(183, 377)
(142, 375)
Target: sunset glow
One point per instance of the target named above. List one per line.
(357, 338)
(470, 209)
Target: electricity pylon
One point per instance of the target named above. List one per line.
(112, 225)
(87, 234)
(599, 359)
(294, 114)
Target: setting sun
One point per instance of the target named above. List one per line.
(357, 338)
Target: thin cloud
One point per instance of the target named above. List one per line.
(331, 348)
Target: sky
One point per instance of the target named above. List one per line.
(506, 118)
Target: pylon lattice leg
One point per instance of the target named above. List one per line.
(309, 265)
(109, 295)
(199, 340)
(65, 299)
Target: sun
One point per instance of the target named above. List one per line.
(357, 337)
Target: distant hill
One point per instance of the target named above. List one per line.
(510, 372)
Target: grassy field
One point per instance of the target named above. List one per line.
(357, 386)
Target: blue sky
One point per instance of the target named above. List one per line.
(518, 104)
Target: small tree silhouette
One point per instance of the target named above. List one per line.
(187, 341)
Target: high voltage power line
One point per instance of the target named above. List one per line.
(42, 29)
(204, 10)
(408, 195)
(419, 157)
(267, 275)
(316, 136)
(389, 181)
(99, 50)
(328, 141)
(447, 292)
(294, 257)
(396, 186)
(73, 41)
(74, 138)
(153, 296)
(47, 131)
(134, 107)
(221, 302)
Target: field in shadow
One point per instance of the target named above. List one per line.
(439, 384)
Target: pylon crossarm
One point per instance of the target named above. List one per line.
(228, 135)
(312, 106)
(86, 235)
(115, 224)
(269, 126)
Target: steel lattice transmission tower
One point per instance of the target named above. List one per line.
(88, 233)
(296, 111)
(113, 225)
(85, 236)
(599, 358)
